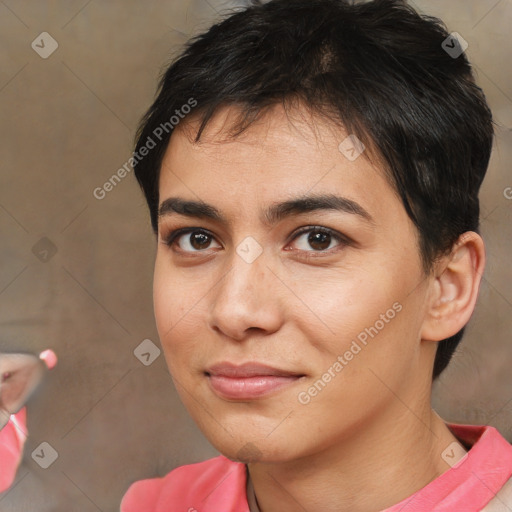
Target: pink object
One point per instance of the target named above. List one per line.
(220, 485)
(21, 374)
(12, 440)
(49, 357)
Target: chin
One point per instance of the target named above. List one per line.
(251, 449)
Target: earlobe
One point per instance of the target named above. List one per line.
(455, 288)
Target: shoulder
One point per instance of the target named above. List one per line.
(502, 502)
(188, 487)
(487, 469)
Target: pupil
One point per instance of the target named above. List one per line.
(200, 239)
(319, 238)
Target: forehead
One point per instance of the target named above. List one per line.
(281, 155)
(290, 134)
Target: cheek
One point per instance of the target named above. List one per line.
(342, 304)
(176, 308)
(168, 309)
(374, 310)
(173, 300)
(163, 302)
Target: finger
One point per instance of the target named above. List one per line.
(49, 357)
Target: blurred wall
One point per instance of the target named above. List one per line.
(76, 271)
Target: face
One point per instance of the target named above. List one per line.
(285, 322)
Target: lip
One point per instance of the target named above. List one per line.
(249, 380)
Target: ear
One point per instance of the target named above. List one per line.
(454, 289)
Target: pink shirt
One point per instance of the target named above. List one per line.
(221, 485)
(12, 440)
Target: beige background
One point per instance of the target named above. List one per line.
(67, 125)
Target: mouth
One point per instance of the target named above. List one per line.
(248, 381)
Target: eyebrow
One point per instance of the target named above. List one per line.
(275, 212)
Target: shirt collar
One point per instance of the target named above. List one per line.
(469, 484)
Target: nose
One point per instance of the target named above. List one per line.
(248, 298)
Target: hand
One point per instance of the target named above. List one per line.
(20, 374)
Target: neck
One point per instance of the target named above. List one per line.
(373, 469)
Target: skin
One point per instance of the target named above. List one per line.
(369, 438)
(20, 374)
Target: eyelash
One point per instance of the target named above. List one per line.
(171, 239)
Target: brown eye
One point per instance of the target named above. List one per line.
(319, 239)
(190, 240)
(199, 240)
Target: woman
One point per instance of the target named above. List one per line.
(312, 172)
